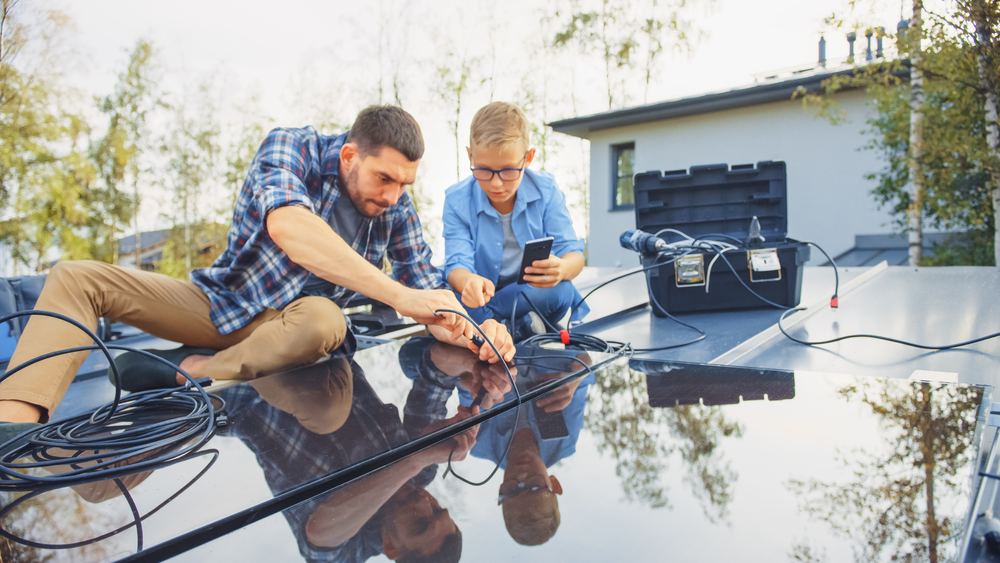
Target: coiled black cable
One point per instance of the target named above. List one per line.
(158, 426)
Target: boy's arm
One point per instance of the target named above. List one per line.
(476, 290)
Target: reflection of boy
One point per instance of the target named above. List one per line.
(488, 218)
(528, 494)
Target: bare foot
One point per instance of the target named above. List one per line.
(192, 365)
(19, 411)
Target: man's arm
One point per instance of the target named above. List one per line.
(346, 510)
(311, 243)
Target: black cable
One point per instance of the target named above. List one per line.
(876, 337)
(162, 424)
(137, 519)
(513, 385)
(506, 450)
(663, 309)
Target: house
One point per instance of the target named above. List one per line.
(152, 243)
(829, 200)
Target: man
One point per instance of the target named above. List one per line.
(309, 423)
(296, 252)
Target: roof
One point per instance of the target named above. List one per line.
(893, 248)
(126, 244)
(757, 94)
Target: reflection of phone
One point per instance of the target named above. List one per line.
(534, 250)
(551, 425)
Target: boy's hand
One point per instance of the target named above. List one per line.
(546, 273)
(477, 291)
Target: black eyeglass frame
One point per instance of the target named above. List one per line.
(500, 172)
(522, 487)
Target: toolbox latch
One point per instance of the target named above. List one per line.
(689, 271)
(764, 260)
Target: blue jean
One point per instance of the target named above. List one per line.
(552, 303)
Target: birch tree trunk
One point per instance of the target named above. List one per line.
(915, 223)
(983, 38)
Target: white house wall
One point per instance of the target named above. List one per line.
(829, 199)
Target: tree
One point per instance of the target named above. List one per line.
(192, 151)
(454, 77)
(43, 172)
(628, 428)
(950, 180)
(118, 155)
(889, 507)
(618, 30)
(915, 211)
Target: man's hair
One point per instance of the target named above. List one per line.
(536, 525)
(499, 125)
(387, 126)
(449, 552)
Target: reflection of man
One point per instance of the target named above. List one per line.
(308, 423)
(529, 494)
(296, 252)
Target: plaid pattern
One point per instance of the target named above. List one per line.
(299, 167)
(290, 455)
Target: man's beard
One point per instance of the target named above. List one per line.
(349, 186)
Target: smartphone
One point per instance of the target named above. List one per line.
(539, 249)
(551, 425)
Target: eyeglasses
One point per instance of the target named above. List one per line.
(533, 483)
(506, 174)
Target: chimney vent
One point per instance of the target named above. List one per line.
(822, 51)
(851, 38)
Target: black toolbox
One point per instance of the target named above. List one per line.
(720, 200)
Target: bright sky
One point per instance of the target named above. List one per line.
(327, 51)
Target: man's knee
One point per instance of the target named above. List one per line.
(319, 323)
(74, 273)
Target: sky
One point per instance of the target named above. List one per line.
(298, 55)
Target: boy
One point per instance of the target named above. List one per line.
(488, 218)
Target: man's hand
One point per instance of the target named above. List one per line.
(498, 335)
(546, 273)
(477, 291)
(458, 446)
(491, 377)
(420, 304)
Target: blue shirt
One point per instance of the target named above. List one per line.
(473, 236)
(299, 167)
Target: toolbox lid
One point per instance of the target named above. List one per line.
(714, 199)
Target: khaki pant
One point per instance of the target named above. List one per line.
(303, 332)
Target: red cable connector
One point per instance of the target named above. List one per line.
(834, 302)
(564, 336)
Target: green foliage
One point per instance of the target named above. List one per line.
(118, 154)
(888, 508)
(43, 171)
(957, 162)
(619, 31)
(629, 429)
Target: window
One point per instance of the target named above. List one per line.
(622, 170)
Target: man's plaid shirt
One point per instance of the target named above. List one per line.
(300, 167)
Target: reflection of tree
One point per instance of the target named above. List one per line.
(625, 426)
(892, 505)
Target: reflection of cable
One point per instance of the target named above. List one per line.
(506, 449)
(139, 425)
(513, 384)
(137, 519)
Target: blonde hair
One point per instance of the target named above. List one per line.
(499, 125)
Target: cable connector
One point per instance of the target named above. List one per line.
(221, 419)
(564, 337)
(834, 302)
